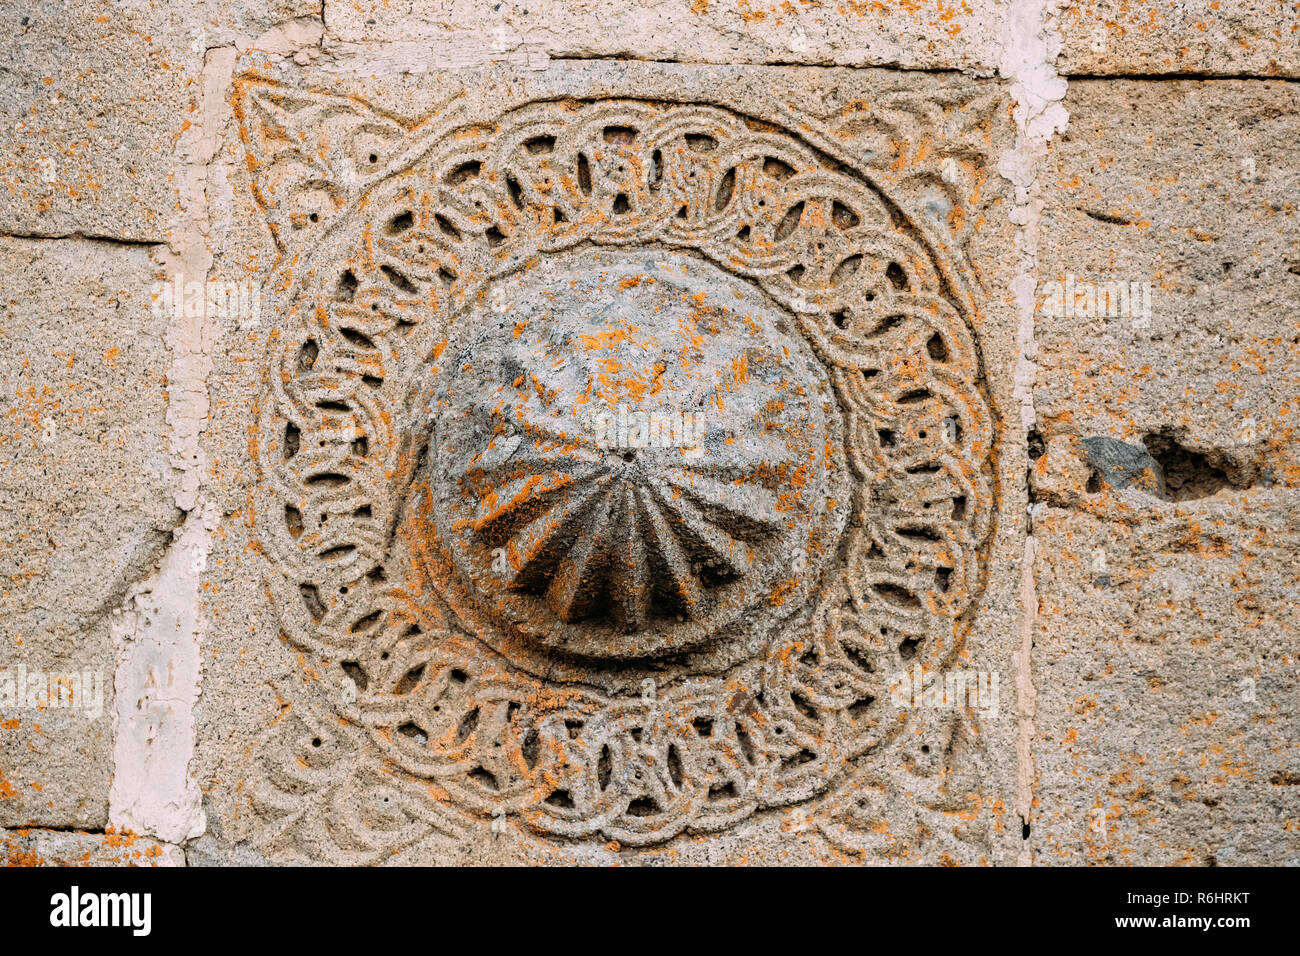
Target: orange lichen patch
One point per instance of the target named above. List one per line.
(778, 596)
(125, 838)
(491, 508)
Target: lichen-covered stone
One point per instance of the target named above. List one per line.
(923, 35)
(675, 433)
(551, 630)
(27, 847)
(1166, 721)
(89, 492)
(1181, 252)
(1203, 37)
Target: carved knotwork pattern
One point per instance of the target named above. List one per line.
(391, 238)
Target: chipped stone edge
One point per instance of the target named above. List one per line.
(1032, 43)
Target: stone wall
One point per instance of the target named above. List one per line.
(958, 524)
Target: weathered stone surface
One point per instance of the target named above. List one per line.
(1203, 215)
(921, 35)
(1135, 37)
(649, 433)
(92, 104)
(1165, 651)
(84, 470)
(1165, 637)
(65, 848)
(95, 103)
(611, 694)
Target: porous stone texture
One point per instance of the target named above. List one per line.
(650, 433)
(92, 101)
(1205, 215)
(84, 469)
(922, 35)
(1165, 671)
(1166, 635)
(63, 848)
(1199, 37)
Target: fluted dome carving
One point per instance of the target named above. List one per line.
(632, 452)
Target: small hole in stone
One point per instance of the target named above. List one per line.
(516, 192)
(726, 189)
(642, 807)
(604, 769)
(311, 598)
(937, 349)
(307, 355)
(843, 217)
(354, 670)
(346, 290)
(776, 169)
(464, 172)
(790, 222)
(484, 778)
(410, 680)
(726, 791)
(445, 226)
(584, 174)
(398, 280)
(400, 223)
(896, 276)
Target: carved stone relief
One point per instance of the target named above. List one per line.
(614, 455)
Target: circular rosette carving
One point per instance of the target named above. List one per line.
(626, 454)
(614, 458)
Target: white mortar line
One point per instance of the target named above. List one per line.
(1031, 45)
(157, 632)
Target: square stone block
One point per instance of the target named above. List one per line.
(1171, 227)
(618, 462)
(1164, 663)
(91, 109)
(84, 468)
(1165, 477)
